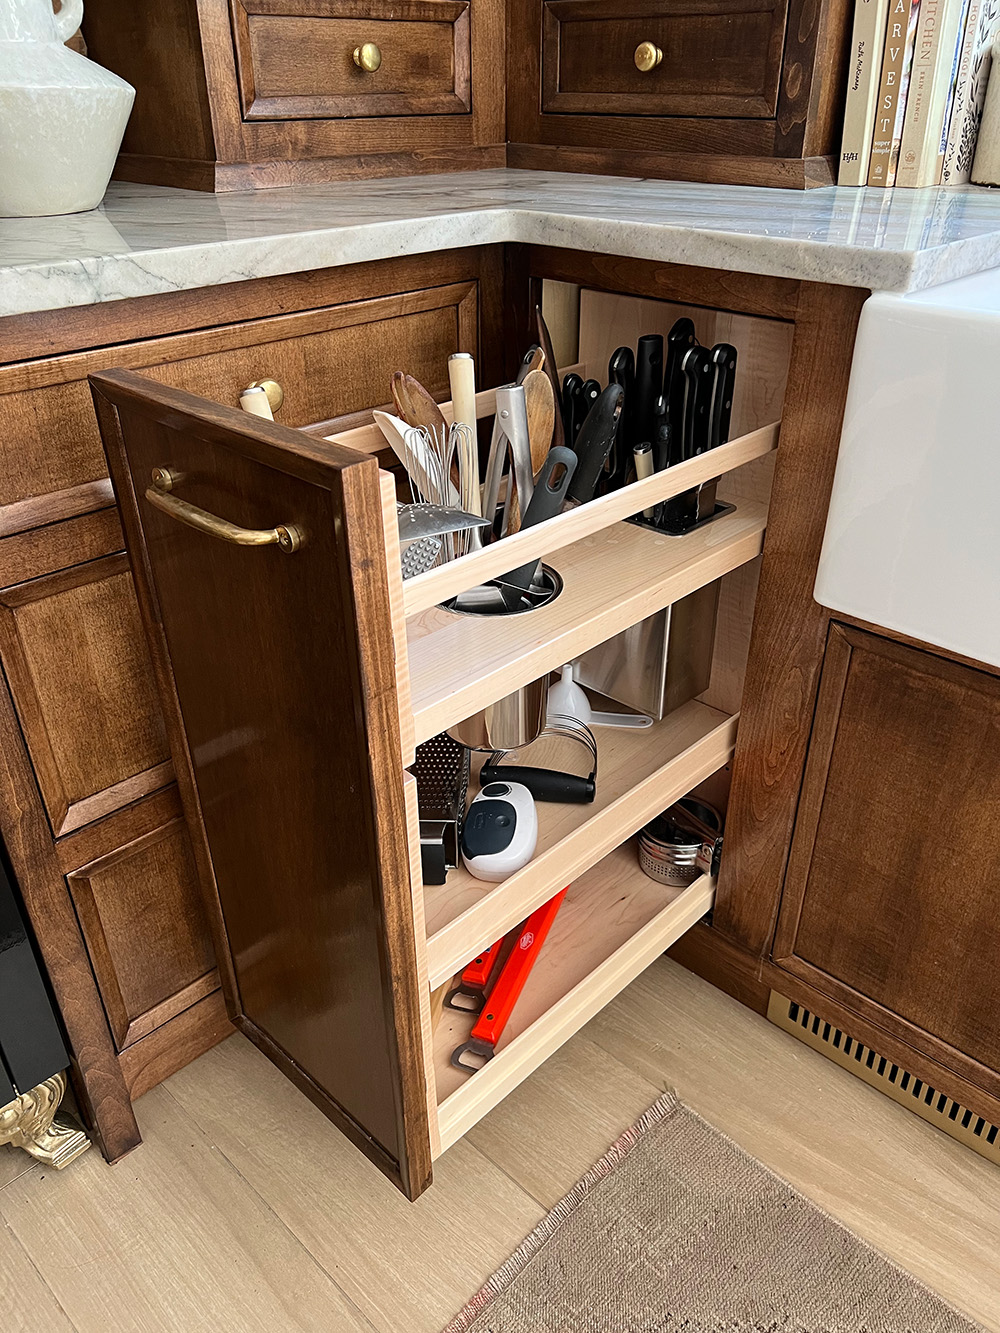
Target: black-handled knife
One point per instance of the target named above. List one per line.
(679, 339)
(572, 416)
(593, 444)
(621, 370)
(699, 377)
(547, 500)
(723, 357)
(648, 387)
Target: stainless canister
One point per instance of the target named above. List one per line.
(507, 724)
(660, 663)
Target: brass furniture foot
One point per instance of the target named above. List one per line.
(31, 1122)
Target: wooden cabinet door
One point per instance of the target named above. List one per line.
(278, 681)
(893, 883)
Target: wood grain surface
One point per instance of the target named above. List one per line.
(298, 668)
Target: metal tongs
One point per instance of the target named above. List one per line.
(510, 436)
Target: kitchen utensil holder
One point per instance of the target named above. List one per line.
(548, 590)
(658, 664)
(508, 723)
(517, 718)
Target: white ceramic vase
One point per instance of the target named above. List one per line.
(61, 116)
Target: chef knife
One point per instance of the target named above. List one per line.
(697, 373)
(679, 339)
(648, 388)
(550, 369)
(593, 444)
(699, 376)
(723, 356)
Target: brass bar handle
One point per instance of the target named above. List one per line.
(368, 57)
(284, 535)
(647, 56)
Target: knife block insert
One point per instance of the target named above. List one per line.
(682, 513)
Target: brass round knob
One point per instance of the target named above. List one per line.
(368, 57)
(273, 391)
(647, 56)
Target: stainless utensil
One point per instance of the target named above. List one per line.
(434, 520)
(420, 556)
(510, 436)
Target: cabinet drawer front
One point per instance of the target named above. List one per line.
(330, 362)
(296, 59)
(719, 57)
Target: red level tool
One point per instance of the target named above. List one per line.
(480, 1047)
(473, 987)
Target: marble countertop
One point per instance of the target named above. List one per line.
(149, 239)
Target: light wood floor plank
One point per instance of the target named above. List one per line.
(924, 1200)
(26, 1304)
(14, 1162)
(407, 1266)
(210, 1225)
(171, 1240)
(563, 1119)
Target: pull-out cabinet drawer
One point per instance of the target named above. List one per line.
(352, 58)
(298, 669)
(700, 58)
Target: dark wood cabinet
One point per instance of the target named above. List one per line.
(890, 900)
(261, 93)
(729, 91)
(88, 803)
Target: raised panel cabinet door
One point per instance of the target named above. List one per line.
(75, 656)
(142, 917)
(277, 672)
(890, 901)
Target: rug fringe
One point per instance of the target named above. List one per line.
(661, 1110)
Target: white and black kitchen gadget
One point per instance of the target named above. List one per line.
(500, 831)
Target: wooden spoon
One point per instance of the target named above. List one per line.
(415, 405)
(552, 372)
(417, 408)
(540, 406)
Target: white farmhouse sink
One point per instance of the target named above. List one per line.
(913, 534)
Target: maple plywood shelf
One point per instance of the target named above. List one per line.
(612, 579)
(613, 923)
(640, 773)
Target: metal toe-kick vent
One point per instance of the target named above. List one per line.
(937, 1108)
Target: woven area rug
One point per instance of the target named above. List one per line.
(676, 1228)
